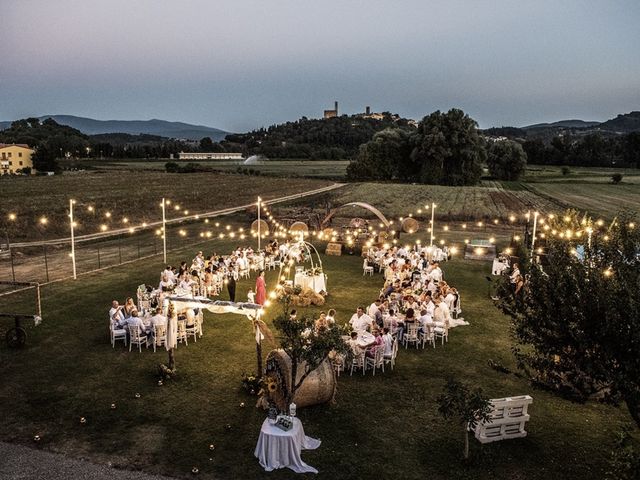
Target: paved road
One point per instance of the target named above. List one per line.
(22, 463)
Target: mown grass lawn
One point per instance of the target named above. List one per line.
(384, 426)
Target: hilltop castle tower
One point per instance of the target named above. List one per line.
(332, 113)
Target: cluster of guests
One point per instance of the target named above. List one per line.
(127, 315)
(414, 292)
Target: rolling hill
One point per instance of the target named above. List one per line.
(563, 124)
(162, 128)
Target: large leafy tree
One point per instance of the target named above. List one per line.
(577, 321)
(383, 158)
(506, 160)
(449, 149)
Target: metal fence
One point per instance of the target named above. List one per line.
(50, 260)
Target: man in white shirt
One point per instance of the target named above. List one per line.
(436, 273)
(134, 321)
(168, 272)
(374, 308)
(387, 340)
(158, 319)
(115, 313)
(430, 306)
(198, 260)
(360, 321)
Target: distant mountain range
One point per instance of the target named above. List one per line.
(563, 124)
(160, 128)
(623, 123)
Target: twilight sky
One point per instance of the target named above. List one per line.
(237, 65)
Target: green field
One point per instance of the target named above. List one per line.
(383, 426)
(333, 169)
(134, 195)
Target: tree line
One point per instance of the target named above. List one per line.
(446, 149)
(592, 150)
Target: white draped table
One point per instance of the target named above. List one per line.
(314, 282)
(277, 448)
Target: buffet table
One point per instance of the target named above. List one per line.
(277, 448)
(317, 283)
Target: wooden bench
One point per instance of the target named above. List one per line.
(508, 419)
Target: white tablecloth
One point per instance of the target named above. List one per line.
(365, 339)
(279, 449)
(314, 282)
(498, 267)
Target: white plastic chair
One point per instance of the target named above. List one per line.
(391, 359)
(338, 363)
(357, 361)
(117, 334)
(181, 335)
(367, 269)
(377, 361)
(411, 335)
(136, 337)
(428, 336)
(159, 336)
(441, 331)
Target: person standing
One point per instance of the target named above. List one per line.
(232, 277)
(261, 289)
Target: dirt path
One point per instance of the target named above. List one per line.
(21, 463)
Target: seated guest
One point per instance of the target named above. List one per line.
(168, 271)
(441, 314)
(129, 307)
(360, 322)
(377, 343)
(331, 316)
(165, 284)
(251, 297)
(158, 318)
(410, 316)
(424, 320)
(436, 272)
(356, 349)
(134, 320)
(387, 340)
(392, 323)
(185, 281)
(198, 261)
(183, 268)
(321, 321)
(116, 314)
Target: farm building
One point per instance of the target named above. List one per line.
(209, 156)
(15, 157)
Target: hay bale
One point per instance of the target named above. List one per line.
(264, 227)
(410, 225)
(298, 227)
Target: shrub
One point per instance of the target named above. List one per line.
(616, 178)
(565, 170)
(171, 167)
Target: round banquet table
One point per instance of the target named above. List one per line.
(277, 448)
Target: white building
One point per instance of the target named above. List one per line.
(209, 156)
